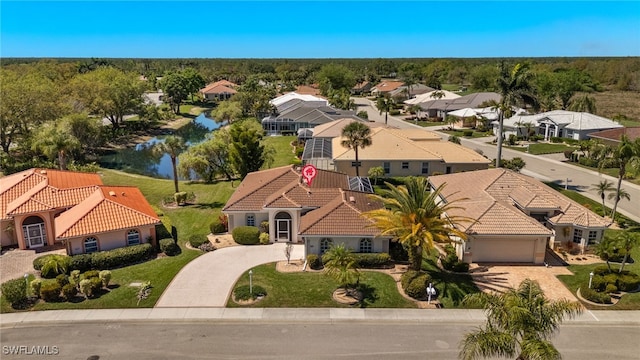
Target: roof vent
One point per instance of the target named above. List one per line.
(122, 193)
(43, 171)
(352, 199)
(112, 193)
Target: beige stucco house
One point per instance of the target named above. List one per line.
(325, 213)
(44, 207)
(517, 217)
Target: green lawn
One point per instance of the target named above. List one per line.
(314, 289)
(543, 148)
(284, 151)
(451, 287)
(629, 301)
(460, 133)
(425, 123)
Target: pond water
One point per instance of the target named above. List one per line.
(142, 160)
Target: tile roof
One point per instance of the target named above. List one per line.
(211, 86)
(334, 128)
(498, 189)
(107, 209)
(615, 134)
(342, 216)
(307, 90)
(468, 101)
(387, 85)
(220, 89)
(570, 119)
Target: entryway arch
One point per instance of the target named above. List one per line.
(283, 226)
(34, 232)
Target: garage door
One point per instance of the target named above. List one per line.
(503, 250)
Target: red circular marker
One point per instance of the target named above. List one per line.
(309, 172)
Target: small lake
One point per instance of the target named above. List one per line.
(142, 160)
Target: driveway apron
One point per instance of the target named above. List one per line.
(207, 281)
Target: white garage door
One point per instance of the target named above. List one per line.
(503, 250)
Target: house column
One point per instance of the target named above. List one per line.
(556, 131)
(546, 132)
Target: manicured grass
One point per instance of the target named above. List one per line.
(629, 301)
(543, 148)
(284, 151)
(315, 289)
(451, 287)
(425, 123)
(460, 133)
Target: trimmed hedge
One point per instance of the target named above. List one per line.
(196, 240)
(169, 247)
(69, 291)
(121, 257)
(594, 296)
(80, 262)
(62, 280)
(414, 283)
(50, 292)
(217, 227)
(246, 235)
(372, 260)
(15, 291)
(245, 293)
(314, 262)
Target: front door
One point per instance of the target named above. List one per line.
(283, 230)
(34, 235)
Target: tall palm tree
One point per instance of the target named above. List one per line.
(54, 143)
(618, 195)
(341, 265)
(627, 242)
(358, 135)
(414, 216)
(603, 187)
(385, 104)
(520, 323)
(583, 104)
(516, 89)
(626, 154)
(173, 146)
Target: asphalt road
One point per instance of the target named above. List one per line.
(539, 167)
(282, 340)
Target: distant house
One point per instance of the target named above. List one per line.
(328, 212)
(386, 87)
(219, 90)
(362, 88)
(516, 217)
(558, 123)
(403, 92)
(612, 137)
(440, 107)
(41, 207)
(308, 90)
(400, 152)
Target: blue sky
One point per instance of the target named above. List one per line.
(308, 29)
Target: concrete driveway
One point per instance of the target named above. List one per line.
(208, 280)
(15, 263)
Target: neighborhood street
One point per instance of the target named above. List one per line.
(540, 167)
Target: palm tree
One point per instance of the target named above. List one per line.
(385, 104)
(583, 104)
(358, 135)
(341, 265)
(414, 217)
(618, 195)
(519, 324)
(607, 249)
(516, 88)
(627, 242)
(603, 187)
(174, 146)
(55, 143)
(626, 154)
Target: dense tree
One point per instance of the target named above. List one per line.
(179, 85)
(173, 146)
(376, 172)
(341, 99)
(409, 73)
(356, 135)
(603, 187)
(335, 77)
(254, 96)
(519, 324)
(384, 105)
(246, 151)
(109, 92)
(341, 265)
(55, 143)
(228, 111)
(436, 72)
(483, 77)
(414, 216)
(516, 89)
(209, 158)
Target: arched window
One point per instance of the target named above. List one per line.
(365, 245)
(325, 244)
(133, 237)
(90, 245)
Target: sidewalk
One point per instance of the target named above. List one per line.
(288, 315)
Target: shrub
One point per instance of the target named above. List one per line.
(39, 262)
(601, 270)
(588, 162)
(628, 281)
(85, 288)
(407, 277)
(196, 240)
(62, 280)
(50, 292)
(206, 247)
(512, 140)
(217, 227)
(264, 226)
(264, 238)
(314, 262)
(246, 235)
(15, 291)
(461, 267)
(418, 285)
(363, 115)
(372, 260)
(96, 285)
(55, 265)
(611, 288)
(74, 278)
(245, 293)
(394, 112)
(121, 257)
(35, 285)
(81, 262)
(91, 274)
(169, 247)
(598, 283)
(568, 154)
(105, 277)
(467, 133)
(555, 139)
(594, 296)
(69, 291)
(454, 139)
(180, 197)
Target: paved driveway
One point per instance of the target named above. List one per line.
(15, 263)
(208, 280)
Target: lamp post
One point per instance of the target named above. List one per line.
(430, 291)
(590, 279)
(26, 282)
(251, 282)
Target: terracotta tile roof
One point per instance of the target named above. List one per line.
(386, 86)
(492, 216)
(341, 216)
(213, 85)
(308, 90)
(108, 208)
(504, 187)
(17, 190)
(615, 134)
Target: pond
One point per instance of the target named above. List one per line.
(142, 160)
